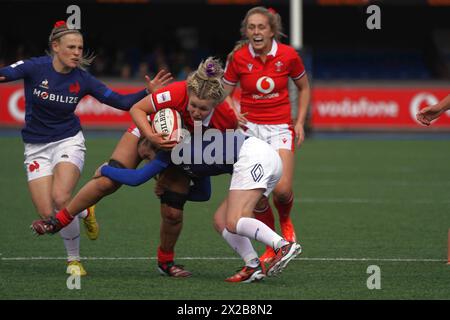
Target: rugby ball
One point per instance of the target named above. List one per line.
(168, 121)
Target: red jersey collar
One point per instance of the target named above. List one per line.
(272, 51)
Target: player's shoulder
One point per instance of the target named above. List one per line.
(84, 74)
(175, 87)
(41, 60)
(286, 49)
(242, 53)
(174, 92)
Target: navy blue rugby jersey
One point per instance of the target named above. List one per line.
(52, 97)
(204, 158)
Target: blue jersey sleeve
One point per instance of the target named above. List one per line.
(135, 177)
(102, 93)
(19, 70)
(200, 190)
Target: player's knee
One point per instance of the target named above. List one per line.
(219, 224)
(283, 194)
(44, 214)
(106, 186)
(173, 199)
(231, 225)
(60, 199)
(172, 216)
(262, 204)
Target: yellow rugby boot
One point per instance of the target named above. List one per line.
(90, 224)
(75, 268)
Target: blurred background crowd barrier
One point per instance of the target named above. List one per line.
(361, 79)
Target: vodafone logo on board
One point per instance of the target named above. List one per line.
(421, 100)
(13, 105)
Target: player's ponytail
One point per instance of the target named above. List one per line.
(206, 82)
(59, 30)
(274, 21)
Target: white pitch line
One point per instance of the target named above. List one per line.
(228, 258)
(362, 200)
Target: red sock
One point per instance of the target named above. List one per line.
(284, 209)
(164, 257)
(265, 216)
(64, 217)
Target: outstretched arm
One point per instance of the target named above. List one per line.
(16, 71)
(125, 101)
(135, 177)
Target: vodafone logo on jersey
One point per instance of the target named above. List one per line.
(265, 85)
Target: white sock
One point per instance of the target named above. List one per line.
(71, 237)
(255, 229)
(83, 214)
(242, 246)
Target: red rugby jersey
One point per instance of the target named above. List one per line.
(264, 86)
(175, 96)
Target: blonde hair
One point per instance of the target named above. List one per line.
(59, 30)
(274, 22)
(206, 82)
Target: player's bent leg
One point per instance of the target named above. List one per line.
(170, 229)
(220, 217)
(91, 193)
(283, 198)
(171, 225)
(65, 178)
(176, 187)
(125, 155)
(241, 203)
(253, 269)
(263, 212)
(40, 191)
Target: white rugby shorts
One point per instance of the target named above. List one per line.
(279, 136)
(258, 167)
(41, 158)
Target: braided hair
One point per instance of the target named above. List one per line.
(206, 82)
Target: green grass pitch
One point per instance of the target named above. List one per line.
(358, 203)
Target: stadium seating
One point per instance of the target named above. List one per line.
(364, 64)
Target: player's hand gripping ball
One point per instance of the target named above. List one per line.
(168, 121)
